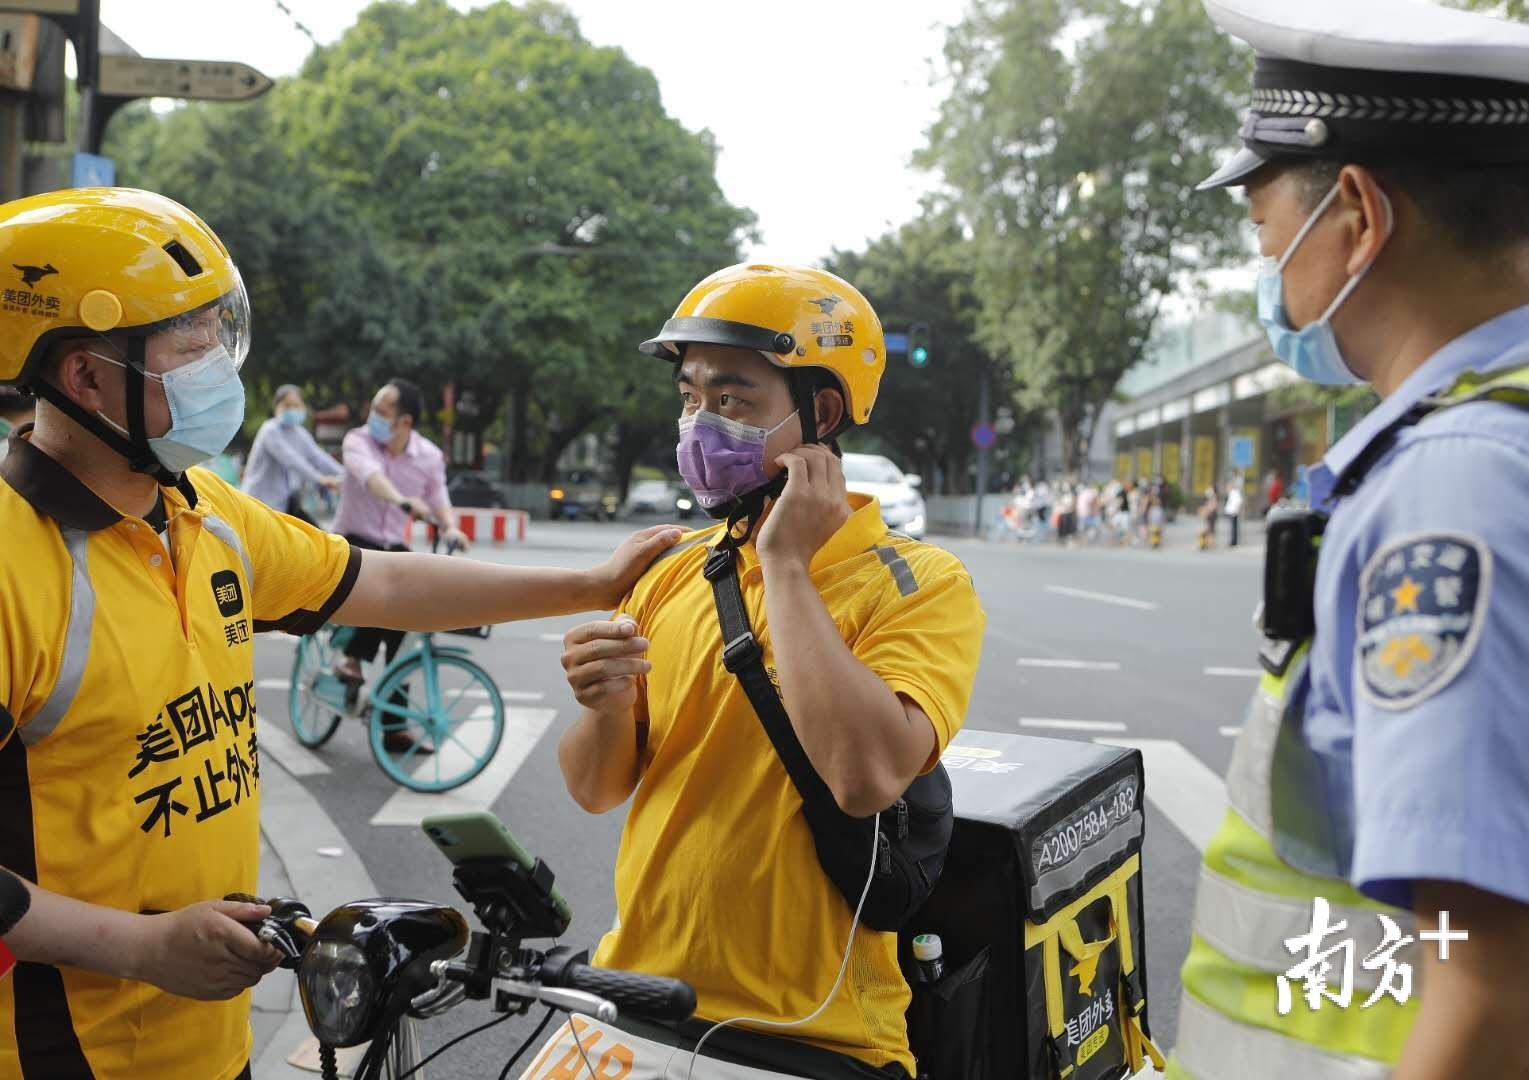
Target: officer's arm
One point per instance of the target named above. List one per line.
(1475, 1003)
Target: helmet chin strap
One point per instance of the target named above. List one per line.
(135, 446)
(749, 507)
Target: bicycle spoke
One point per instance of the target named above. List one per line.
(469, 751)
(390, 709)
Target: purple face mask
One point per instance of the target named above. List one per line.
(722, 459)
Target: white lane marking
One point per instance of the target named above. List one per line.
(480, 694)
(1102, 597)
(556, 639)
(1231, 731)
(1180, 785)
(273, 684)
(290, 754)
(1235, 672)
(1069, 665)
(1071, 725)
(523, 729)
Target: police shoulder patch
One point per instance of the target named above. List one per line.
(1421, 608)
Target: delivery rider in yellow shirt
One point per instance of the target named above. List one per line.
(131, 582)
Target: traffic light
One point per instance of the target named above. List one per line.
(918, 344)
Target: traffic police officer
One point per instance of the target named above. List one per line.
(1380, 785)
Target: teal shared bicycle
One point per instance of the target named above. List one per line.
(449, 707)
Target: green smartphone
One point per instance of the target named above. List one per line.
(479, 835)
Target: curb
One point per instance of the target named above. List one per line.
(294, 826)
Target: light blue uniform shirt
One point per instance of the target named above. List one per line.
(283, 460)
(1419, 703)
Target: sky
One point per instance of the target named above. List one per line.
(817, 107)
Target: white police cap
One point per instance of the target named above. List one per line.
(1367, 80)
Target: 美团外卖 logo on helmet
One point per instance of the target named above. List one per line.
(827, 304)
(31, 275)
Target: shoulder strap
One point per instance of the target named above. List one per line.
(1510, 386)
(742, 656)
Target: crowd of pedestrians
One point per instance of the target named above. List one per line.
(1128, 513)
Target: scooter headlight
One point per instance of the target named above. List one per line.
(338, 989)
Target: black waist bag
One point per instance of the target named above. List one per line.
(914, 831)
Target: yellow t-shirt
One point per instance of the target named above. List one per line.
(717, 880)
(129, 759)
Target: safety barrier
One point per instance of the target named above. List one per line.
(483, 523)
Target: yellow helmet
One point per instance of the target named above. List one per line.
(797, 316)
(108, 260)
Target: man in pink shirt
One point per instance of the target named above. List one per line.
(392, 473)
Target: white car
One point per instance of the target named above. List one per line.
(902, 507)
(660, 497)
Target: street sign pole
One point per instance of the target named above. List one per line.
(87, 61)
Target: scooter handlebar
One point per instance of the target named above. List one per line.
(652, 996)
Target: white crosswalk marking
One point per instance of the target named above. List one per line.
(1235, 672)
(1180, 785)
(1231, 731)
(523, 729)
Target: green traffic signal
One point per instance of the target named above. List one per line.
(919, 356)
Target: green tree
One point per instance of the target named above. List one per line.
(1508, 9)
(481, 197)
(541, 209)
(323, 297)
(923, 416)
(1069, 144)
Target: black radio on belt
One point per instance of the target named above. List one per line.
(1293, 538)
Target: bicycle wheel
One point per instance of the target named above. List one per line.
(462, 721)
(313, 691)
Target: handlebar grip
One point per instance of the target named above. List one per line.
(652, 996)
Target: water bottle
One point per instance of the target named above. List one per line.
(930, 954)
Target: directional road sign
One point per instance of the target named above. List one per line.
(897, 343)
(205, 80)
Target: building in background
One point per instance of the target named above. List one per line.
(1205, 406)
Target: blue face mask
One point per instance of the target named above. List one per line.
(381, 427)
(294, 417)
(1312, 350)
(206, 402)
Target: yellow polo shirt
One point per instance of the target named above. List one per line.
(129, 753)
(717, 881)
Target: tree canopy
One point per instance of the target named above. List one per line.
(483, 198)
(1070, 143)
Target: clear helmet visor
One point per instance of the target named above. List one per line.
(184, 340)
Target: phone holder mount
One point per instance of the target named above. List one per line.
(513, 903)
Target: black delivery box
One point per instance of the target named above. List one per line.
(1039, 909)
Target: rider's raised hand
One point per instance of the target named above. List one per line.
(204, 951)
(614, 578)
(603, 661)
